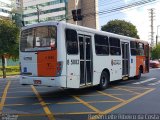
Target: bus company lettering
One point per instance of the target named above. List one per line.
(115, 62)
(49, 57)
(27, 58)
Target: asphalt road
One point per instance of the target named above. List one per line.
(122, 100)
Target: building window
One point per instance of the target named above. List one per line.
(101, 45)
(45, 12)
(114, 46)
(71, 42)
(47, 4)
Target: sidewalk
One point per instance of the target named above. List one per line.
(13, 77)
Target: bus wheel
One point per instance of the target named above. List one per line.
(139, 75)
(104, 80)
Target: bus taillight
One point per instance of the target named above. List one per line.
(59, 68)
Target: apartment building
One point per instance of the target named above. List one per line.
(9, 7)
(60, 10)
(43, 10)
(5, 8)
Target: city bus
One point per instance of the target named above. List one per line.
(71, 56)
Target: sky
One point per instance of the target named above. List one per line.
(139, 16)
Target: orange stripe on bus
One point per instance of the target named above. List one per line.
(139, 61)
(47, 63)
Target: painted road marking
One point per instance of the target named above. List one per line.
(98, 112)
(126, 102)
(4, 96)
(104, 101)
(155, 83)
(45, 107)
(134, 87)
(86, 104)
(128, 90)
(49, 114)
(69, 113)
(56, 96)
(103, 93)
(144, 81)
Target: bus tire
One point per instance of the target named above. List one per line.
(104, 80)
(139, 75)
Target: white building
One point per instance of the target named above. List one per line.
(5, 8)
(43, 10)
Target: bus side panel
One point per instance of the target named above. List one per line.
(132, 66)
(107, 62)
(140, 60)
(99, 64)
(116, 68)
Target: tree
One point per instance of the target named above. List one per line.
(155, 52)
(9, 36)
(121, 27)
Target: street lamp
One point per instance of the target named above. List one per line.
(157, 35)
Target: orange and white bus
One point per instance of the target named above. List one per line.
(71, 56)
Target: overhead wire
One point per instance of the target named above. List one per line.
(114, 8)
(106, 14)
(135, 4)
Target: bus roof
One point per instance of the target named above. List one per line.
(85, 29)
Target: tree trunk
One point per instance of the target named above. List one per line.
(3, 66)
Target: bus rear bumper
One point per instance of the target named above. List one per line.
(43, 81)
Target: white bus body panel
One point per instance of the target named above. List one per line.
(45, 81)
(115, 69)
(29, 63)
(132, 66)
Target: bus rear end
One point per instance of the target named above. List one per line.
(38, 56)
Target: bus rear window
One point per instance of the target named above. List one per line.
(38, 38)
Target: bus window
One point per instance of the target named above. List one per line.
(133, 46)
(101, 45)
(71, 41)
(38, 38)
(114, 46)
(140, 49)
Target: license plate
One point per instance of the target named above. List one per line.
(37, 82)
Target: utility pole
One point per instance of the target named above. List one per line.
(157, 35)
(151, 16)
(38, 12)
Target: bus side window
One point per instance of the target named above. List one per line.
(101, 45)
(140, 49)
(71, 42)
(114, 46)
(133, 47)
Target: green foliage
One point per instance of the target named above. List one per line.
(11, 70)
(155, 53)
(9, 38)
(121, 27)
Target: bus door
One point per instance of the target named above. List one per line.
(125, 58)
(85, 49)
(72, 59)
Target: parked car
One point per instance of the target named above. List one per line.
(154, 64)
